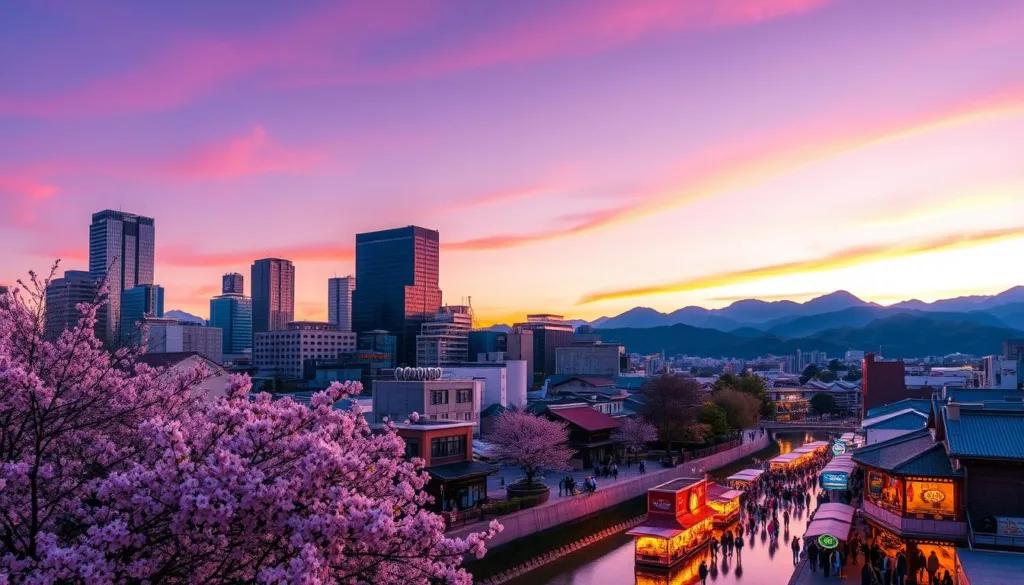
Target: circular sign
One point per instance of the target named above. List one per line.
(828, 541)
(933, 496)
(839, 448)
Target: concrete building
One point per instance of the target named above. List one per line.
(397, 275)
(486, 341)
(590, 359)
(232, 313)
(504, 381)
(145, 300)
(444, 338)
(232, 283)
(998, 372)
(63, 295)
(284, 352)
(885, 382)
(273, 294)
(339, 301)
(211, 387)
(549, 333)
(854, 356)
(433, 400)
(173, 336)
(519, 346)
(121, 251)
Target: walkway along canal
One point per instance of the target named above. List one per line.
(610, 561)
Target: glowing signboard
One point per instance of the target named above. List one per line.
(833, 480)
(838, 448)
(933, 496)
(828, 541)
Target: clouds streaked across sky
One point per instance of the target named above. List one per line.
(580, 157)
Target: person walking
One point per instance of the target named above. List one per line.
(561, 487)
(867, 576)
(714, 549)
(901, 569)
(826, 563)
(886, 570)
(796, 550)
(739, 545)
(837, 563)
(933, 569)
(703, 572)
(947, 579)
(785, 519)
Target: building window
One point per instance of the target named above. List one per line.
(448, 446)
(439, 397)
(463, 396)
(412, 448)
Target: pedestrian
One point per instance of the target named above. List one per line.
(886, 570)
(933, 569)
(714, 548)
(867, 576)
(643, 467)
(826, 563)
(796, 550)
(901, 569)
(561, 487)
(785, 518)
(837, 563)
(947, 579)
(615, 471)
(703, 572)
(739, 545)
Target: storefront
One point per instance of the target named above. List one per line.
(744, 478)
(835, 476)
(679, 522)
(922, 555)
(726, 504)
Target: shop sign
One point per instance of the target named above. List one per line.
(661, 505)
(828, 541)
(1010, 526)
(875, 483)
(833, 480)
(838, 448)
(933, 496)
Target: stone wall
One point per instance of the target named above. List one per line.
(566, 510)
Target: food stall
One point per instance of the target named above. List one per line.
(787, 461)
(835, 476)
(679, 522)
(726, 504)
(744, 478)
(834, 511)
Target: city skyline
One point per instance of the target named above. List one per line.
(768, 149)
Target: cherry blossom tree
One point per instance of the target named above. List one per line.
(635, 434)
(531, 443)
(113, 473)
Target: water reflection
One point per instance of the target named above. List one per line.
(611, 562)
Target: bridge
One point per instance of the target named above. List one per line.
(802, 426)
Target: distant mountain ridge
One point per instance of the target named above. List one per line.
(183, 316)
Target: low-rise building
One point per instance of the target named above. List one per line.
(433, 399)
(212, 386)
(504, 381)
(590, 359)
(284, 352)
(590, 433)
(173, 336)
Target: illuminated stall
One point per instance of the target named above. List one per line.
(787, 461)
(679, 522)
(836, 474)
(686, 572)
(725, 502)
(744, 478)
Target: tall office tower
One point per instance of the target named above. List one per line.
(232, 283)
(232, 313)
(549, 333)
(62, 298)
(396, 284)
(273, 294)
(444, 338)
(145, 300)
(121, 249)
(339, 301)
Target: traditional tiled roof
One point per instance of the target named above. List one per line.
(920, 405)
(915, 453)
(906, 420)
(981, 432)
(586, 418)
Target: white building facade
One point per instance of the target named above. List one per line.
(284, 352)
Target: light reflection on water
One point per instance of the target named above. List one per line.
(611, 562)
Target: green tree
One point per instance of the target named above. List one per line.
(827, 376)
(835, 365)
(751, 384)
(810, 372)
(823, 403)
(741, 409)
(670, 404)
(715, 417)
(853, 374)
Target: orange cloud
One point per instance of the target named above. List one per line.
(836, 260)
(501, 197)
(579, 224)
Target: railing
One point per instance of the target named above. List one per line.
(934, 528)
(991, 539)
(709, 451)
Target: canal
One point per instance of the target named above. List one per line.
(610, 562)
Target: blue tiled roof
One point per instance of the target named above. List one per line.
(915, 453)
(974, 395)
(907, 421)
(921, 405)
(992, 568)
(986, 433)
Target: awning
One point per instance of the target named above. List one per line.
(835, 511)
(817, 445)
(725, 495)
(671, 527)
(836, 528)
(746, 475)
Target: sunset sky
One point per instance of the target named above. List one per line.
(578, 157)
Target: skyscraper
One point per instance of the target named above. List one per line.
(62, 298)
(232, 313)
(232, 283)
(444, 338)
(121, 249)
(145, 300)
(273, 294)
(339, 301)
(549, 333)
(396, 284)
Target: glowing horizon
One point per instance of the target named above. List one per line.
(581, 158)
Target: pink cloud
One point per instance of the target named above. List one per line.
(249, 154)
(21, 196)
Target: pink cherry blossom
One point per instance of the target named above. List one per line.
(531, 443)
(113, 473)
